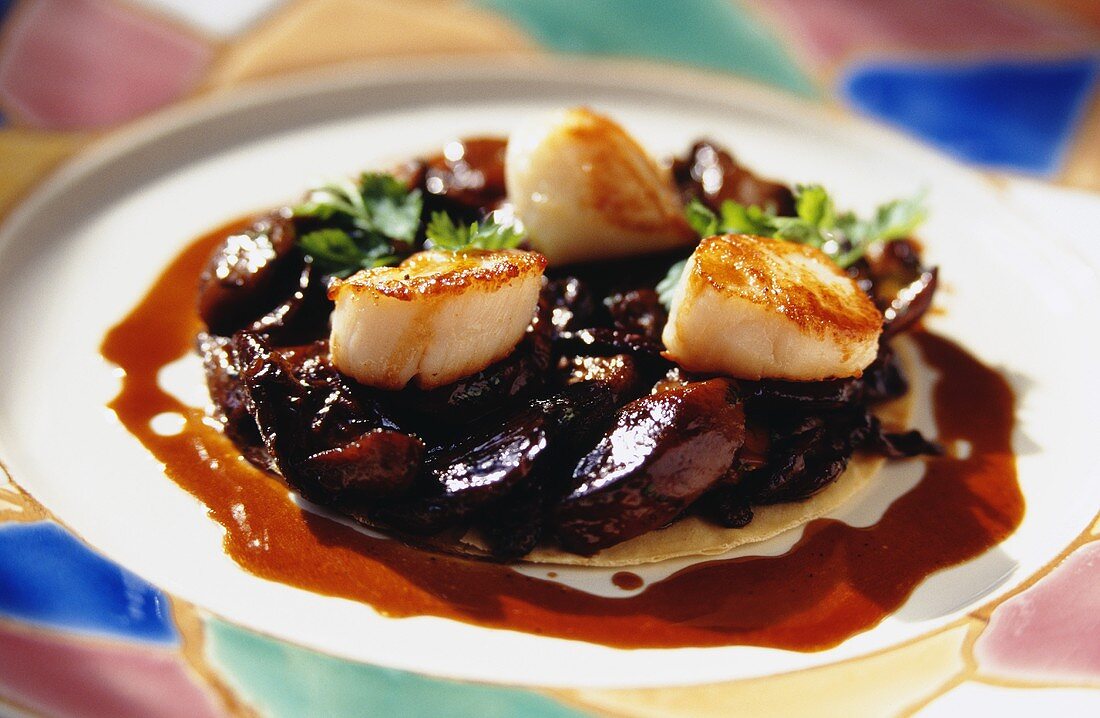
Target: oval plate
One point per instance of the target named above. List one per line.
(81, 252)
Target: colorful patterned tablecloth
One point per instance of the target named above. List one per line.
(1011, 87)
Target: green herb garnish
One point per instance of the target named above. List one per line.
(379, 203)
(445, 234)
(667, 286)
(358, 223)
(337, 253)
(843, 237)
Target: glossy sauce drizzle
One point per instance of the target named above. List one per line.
(837, 581)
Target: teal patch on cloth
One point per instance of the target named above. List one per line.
(715, 34)
(284, 681)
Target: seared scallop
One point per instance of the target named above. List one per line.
(435, 318)
(754, 308)
(585, 190)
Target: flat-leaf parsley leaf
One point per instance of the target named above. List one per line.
(355, 225)
(335, 252)
(666, 288)
(842, 236)
(445, 234)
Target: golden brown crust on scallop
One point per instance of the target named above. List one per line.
(618, 194)
(761, 270)
(436, 273)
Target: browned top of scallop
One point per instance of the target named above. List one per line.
(628, 180)
(795, 280)
(441, 273)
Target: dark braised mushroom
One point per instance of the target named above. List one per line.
(512, 528)
(911, 302)
(884, 379)
(302, 316)
(487, 466)
(618, 371)
(712, 175)
(601, 341)
(325, 440)
(499, 457)
(899, 445)
(662, 452)
(466, 180)
(495, 460)
(779, 395)
(566, 304)
(492, 389)
(728, 506)
(250, 274)
(381, 463)
(807, 455)
(230, 399)
(638, 311)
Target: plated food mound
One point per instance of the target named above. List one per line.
(554, 347)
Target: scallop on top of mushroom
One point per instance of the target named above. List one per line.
(586, 190)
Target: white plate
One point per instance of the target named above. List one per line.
(86, 246)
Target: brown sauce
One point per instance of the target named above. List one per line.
(837, 581)
(627, 581)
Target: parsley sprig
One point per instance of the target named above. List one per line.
(357, 225)
(666, 288)
(445, 234)
(842, 236)
(336, 253)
